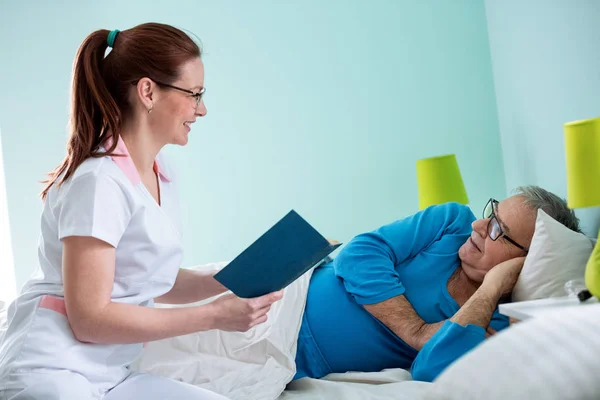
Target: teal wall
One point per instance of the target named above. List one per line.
(323, 107)
(546, 63)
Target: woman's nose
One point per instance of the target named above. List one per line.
(201, 109)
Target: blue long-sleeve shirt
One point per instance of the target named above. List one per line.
(414, 256)
(450, 342)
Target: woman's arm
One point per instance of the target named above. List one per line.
(192, 286)
(88, 276)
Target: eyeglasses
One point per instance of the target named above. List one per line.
(197, 96)
(494, 229)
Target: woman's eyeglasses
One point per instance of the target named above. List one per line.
(196, 95)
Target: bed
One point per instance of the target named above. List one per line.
(538, 361)
(534, 352)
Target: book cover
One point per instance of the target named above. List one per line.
(277, 258)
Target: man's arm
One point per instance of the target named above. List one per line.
(498, 282)
(367, 265)
(400, 316)
(480, 307)
(466, 329)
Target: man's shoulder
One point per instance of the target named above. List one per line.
(453, 211)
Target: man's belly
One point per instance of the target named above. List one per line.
(348, 336)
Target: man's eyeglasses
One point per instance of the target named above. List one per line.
(196, 95)
(494, 229)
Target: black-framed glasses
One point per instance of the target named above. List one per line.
(494, 229)
(197, 96)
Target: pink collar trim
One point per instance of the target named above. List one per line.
(123, 160)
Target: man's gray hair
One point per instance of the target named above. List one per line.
(554, 206)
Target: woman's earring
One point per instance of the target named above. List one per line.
(150, 109)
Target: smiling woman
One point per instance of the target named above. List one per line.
(111, 240)
(7, 271)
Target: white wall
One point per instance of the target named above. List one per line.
(320, 106)
(546, 63)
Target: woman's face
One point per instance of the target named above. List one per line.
(174, 111)
(166, 111)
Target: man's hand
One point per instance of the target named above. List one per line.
(489, 332)
(502, 278)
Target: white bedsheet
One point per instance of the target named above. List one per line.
(258, 364)
(240, 365)
(392, 384)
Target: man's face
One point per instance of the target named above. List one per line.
(515, 220)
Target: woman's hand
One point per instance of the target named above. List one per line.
(503, 277)
(236, 314)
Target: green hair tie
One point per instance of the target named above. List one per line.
(111, 37)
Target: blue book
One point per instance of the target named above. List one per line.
(276, 259)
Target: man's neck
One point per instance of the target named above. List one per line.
(461, 287)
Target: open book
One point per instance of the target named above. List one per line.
(276, 259)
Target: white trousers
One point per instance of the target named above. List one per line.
(67, 385)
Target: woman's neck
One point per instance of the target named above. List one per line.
(142, 148)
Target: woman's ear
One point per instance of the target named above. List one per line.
(145, 92)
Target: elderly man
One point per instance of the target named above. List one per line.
(422, 291)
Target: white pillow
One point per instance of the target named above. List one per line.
(556, 256)
(551, 357)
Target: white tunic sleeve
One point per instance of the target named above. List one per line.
(93, 205)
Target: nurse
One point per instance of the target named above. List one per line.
(110, 242)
